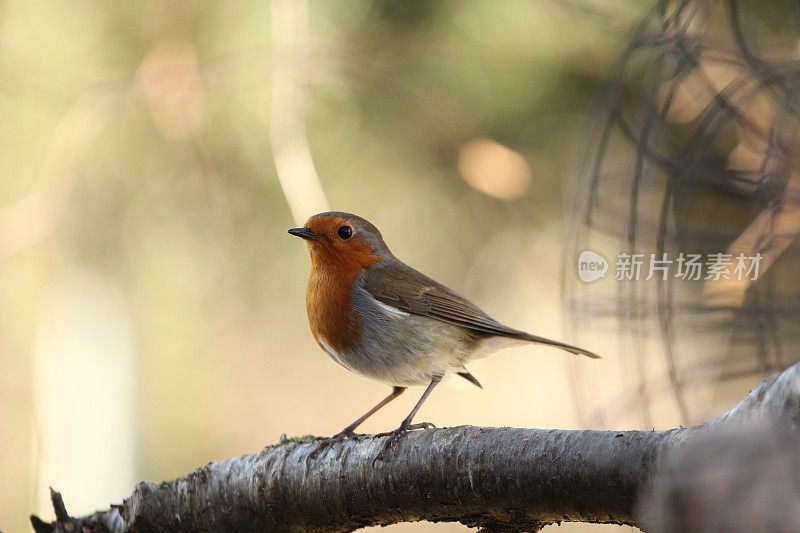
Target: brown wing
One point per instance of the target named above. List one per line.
(404, 288)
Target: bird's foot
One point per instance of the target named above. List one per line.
(410, 427)
(392, 443)
(324, 443)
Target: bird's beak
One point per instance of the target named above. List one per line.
(304, 233)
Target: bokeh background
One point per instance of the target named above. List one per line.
(153, 154)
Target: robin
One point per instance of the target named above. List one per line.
(380, 318)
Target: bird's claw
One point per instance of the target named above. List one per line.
(422, 425)
(392, 442)
(323, 443)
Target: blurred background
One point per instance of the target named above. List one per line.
(153, 154)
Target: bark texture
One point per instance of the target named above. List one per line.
(500, 479)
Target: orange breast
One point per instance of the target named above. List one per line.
(328, 297)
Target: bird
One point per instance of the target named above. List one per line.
(382, 319)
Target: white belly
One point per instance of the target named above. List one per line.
(402, 349)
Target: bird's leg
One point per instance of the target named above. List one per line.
(349, 431)
(406, 425)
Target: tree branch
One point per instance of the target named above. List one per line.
(501, 479)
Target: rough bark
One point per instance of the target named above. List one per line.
(500, 479)
(743, 478)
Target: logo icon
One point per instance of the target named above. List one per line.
(591, 266)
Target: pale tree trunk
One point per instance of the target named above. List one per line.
(500, 479)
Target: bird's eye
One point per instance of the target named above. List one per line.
(345, 232)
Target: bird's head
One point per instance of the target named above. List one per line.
(342, 241)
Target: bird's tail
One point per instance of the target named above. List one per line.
(567, 347)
